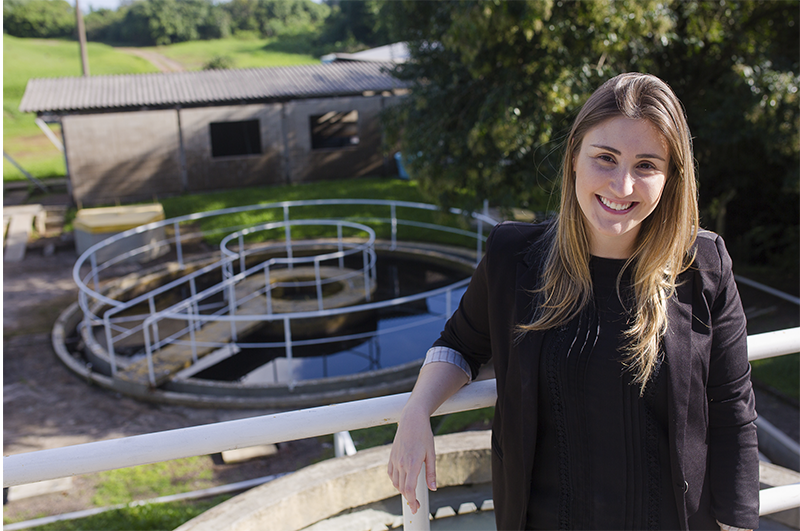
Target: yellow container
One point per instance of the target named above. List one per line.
(93, 225)
(116, 219)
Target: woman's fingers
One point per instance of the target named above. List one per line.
(430, 471)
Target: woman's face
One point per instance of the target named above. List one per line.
(620, 171)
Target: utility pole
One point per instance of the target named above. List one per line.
(82, 38)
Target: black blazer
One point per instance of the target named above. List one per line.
(713, 446)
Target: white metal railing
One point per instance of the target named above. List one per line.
(120, 319)
(214, 438)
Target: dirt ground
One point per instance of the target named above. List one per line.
(47, 406)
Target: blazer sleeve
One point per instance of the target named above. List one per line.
(467, 331)
(733, 445)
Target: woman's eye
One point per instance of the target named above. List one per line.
(647, 166)
(606, 158)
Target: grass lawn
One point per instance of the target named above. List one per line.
(33, 58)
(245, 53)
(367, 188)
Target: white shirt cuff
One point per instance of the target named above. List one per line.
(726, 527)
(448, 355)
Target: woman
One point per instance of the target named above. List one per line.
(618, 342)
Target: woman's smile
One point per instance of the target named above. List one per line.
(620, 171)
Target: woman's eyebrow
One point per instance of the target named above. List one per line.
(618, 152)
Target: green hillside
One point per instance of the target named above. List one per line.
(34, 58)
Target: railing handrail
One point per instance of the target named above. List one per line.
(89, 254)
(280, 427)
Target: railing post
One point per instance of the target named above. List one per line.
(193, 292)
(448, 303)
(268, 288)
(341, 244)
(288, 230)
(420, 521)
(178, 244)
(190, 312)
(232, 308)
(148, 349)
(367, 283)
(318, 282)
(110, 346)
(152, 304)
(287, 337)
(394, 226)
(241, 254)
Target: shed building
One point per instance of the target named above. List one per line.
(135, 137)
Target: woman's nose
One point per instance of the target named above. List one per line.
(622, 183)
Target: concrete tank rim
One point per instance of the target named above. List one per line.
(460, 257)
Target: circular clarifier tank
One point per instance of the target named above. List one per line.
(277, 324)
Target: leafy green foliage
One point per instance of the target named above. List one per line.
(352, 26)
(270, 18)
(38, 18)
(496, 83)
(495, 86)
(219, 62)
(736, 68)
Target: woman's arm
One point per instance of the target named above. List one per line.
(413, 443)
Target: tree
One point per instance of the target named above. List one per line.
(354, 25)
(496, 83)
(38, 18)
(276, 17)
(495, 86)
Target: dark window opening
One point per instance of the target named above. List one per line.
(334, 130)
(235, 138)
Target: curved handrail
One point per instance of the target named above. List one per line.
(92, 301)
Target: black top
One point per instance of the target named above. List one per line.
(602, 455)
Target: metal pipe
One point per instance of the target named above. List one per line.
(771, 344)
(148, 350)
(288, 230)
(178, 244)
(151, 302)
(420, 521)
(209, 439)
(341, 244)
(242, 265)
(394, 226)
(318, 284)
(287, 337)
(778, 499)
(367, 286)
(110, 346)
(268, 287)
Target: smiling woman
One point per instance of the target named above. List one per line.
(617, 338)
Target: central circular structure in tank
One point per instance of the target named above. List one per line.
(287, 313)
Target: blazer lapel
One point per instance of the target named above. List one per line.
(677, 347)
(525, 358)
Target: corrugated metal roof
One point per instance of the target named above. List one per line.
(207, 87)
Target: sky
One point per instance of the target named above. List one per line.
(97, 4)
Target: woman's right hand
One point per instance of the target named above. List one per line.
(413, 446)
(413, 443)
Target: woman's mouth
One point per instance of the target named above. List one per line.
(614, 207)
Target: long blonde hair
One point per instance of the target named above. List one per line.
(664, 244)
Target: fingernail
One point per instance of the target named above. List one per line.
(433, 485)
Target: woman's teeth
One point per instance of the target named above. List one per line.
(615, 206)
